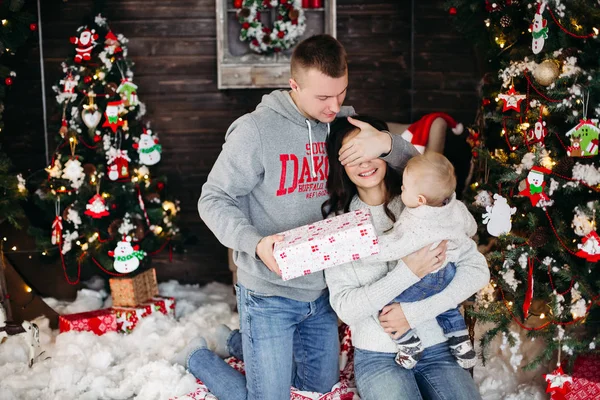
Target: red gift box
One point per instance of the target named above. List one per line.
(97, 321)
(586, 379)
(128, 317)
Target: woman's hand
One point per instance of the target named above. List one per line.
(393, 321)
(424, 261)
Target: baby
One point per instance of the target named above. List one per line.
(432, 214)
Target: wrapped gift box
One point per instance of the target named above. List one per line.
(128, 317)
(97, 321)
(133, 290)
(326, 243)
(586, 378)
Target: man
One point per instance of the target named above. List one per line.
(270, 177)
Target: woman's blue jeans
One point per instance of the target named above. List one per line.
(436, 376)
(284, 343)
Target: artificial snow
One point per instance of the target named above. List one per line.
(81, 365)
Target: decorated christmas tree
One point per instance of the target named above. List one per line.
(16, 27)
(536, 187)
(107, 210)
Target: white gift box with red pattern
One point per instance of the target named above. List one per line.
(334, 241)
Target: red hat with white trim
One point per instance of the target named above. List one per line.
(418, 132)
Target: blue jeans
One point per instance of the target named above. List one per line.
(436, 376)
(284, 343)
(452, 320)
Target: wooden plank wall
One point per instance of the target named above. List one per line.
(405, 60)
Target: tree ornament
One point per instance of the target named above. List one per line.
(96, 207)
(539, 30)
(128, 92)
(90, 115)
(529, 291)
(112, 115)
(559, 384)
(584, 139)
(505, 21)
(492, 6)
(148, 148)
(452, 11)
(69, 84)
(237, 3)
(512, 99)
(64, 128)
(118, 166)
(590, 247)
(538, 238)
(546, 72)
(535, 186)
(33, 27)
(539, 131)
(127, 257)
(112, 44)
(57, 229)
(85, 44)
(73, 172)
(287, 29)
(497, 218)
(111, 89)
(8, 81)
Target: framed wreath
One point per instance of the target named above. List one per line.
(287, 29)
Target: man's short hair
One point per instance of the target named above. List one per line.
(322, 52)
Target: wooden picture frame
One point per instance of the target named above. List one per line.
(238, 67)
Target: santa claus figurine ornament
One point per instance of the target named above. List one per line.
(85, 44)
(418, 132)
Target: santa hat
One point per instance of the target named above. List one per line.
(540, 170)
(418, 133)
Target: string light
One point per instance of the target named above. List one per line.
(4, 22)
(14, 248)
(542, 316)
(487, 22)
(27, 289)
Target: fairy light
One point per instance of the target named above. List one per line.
(78, 243)
(158, 229)
(510, 303)
(135, 179)
(44, 253)
(62, 188)
(14, 248)
(542, 316)
(4, 22)
(146, 177)
(487, 22)
(595, 31)
(105, 195)
(27, 289)
(4, 238)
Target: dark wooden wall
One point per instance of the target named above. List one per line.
(405, 60)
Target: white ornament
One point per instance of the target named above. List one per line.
(127, 258)
(539, 30)
(74, 172)
(148, 149)
(498, 216)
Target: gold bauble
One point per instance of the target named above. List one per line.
(546, 73)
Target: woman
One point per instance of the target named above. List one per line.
(361, 289)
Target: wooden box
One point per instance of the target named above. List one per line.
(131, 291)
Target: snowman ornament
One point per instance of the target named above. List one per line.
(148, 148)
(539, 30)
(127, 257)
(498, 216)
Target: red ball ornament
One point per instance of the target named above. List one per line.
(160, 186)
(475, 154)
(486, 102)
(33, 27)
(8, 81)
(452, 11)
(237, 3)
(87, 79)
(97, 138)
(113, 206)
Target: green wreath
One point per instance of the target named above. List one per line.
(287, 29)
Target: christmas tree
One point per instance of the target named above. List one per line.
(106, 209)
(16, 26)
(536, 188)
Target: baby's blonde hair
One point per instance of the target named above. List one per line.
(437, 180)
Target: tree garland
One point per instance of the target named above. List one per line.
(287, 29)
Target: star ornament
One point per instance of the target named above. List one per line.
(559, 384)
(512, 99)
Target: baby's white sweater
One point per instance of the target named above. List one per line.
(423, 225)
(360, 289)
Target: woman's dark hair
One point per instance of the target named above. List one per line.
(340, 188)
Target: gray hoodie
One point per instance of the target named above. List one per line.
(270, 177)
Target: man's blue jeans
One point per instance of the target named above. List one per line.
(451, 320)
(284, 343)
(436, 376)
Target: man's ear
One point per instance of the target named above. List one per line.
(421, 200)
(294, 85)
